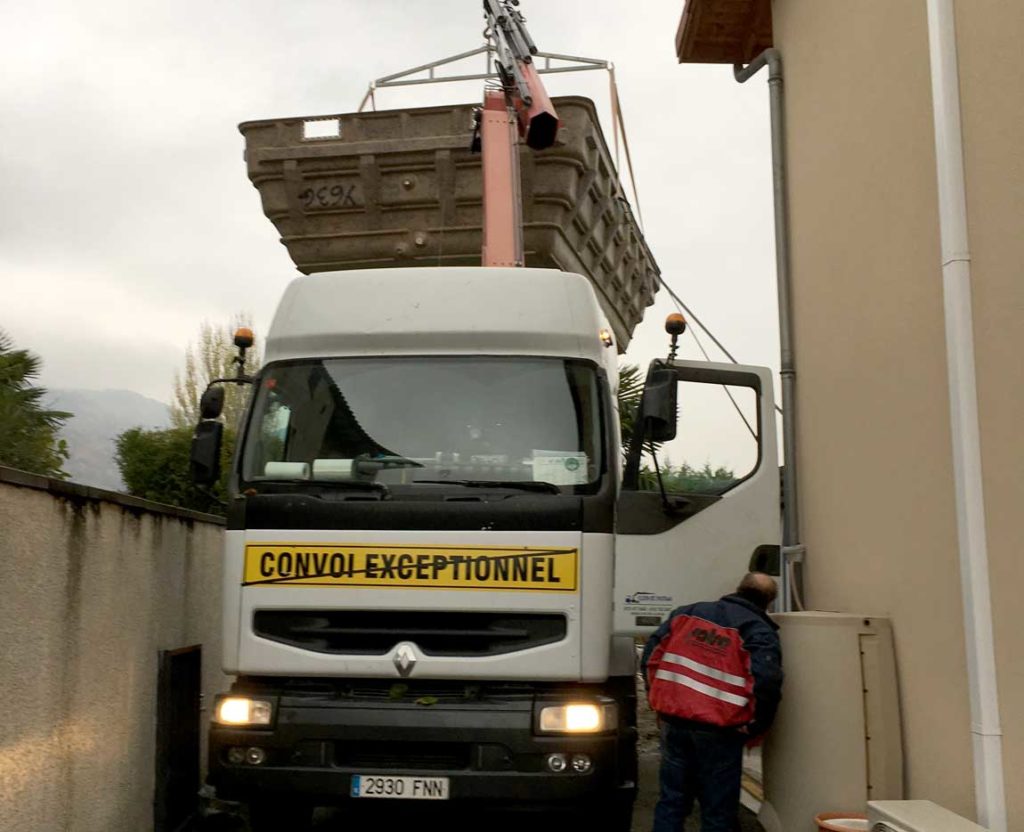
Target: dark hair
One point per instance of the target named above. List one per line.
(758, 588)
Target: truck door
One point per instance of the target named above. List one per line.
(714, 522)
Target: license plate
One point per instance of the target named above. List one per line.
(400, 788)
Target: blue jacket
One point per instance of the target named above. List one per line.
(760, 640)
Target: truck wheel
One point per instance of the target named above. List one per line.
(279, 817)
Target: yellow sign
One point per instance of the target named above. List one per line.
(519, 568)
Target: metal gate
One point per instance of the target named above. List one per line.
(179, 686)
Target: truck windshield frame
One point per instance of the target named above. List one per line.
(422, 425)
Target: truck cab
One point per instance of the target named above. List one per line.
(433, 574)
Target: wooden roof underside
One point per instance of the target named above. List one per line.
(723, 31)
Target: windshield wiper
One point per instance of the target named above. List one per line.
(340, 485)
(522, 485)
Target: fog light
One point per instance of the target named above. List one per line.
(581, 763)
(255, 756)
(557, 762)
(236, 756)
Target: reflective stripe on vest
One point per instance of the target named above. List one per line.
(721, 675)
(700, 687)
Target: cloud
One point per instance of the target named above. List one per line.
(126, 217)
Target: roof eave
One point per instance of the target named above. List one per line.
(723, 31)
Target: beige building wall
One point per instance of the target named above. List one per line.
(877, 498)
(990, 33)
(90, 591)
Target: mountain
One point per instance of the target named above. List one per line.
(99, 416)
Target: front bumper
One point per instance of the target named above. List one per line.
(487, 749)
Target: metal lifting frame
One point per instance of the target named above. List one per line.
(574, 63)
(520, 102)
(404, 79)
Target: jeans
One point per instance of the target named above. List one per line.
(702, 765)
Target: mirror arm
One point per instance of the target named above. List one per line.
(207, 492)
(665, 504)
(239, 379)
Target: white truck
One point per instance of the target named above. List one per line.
(438, 555)
(434, 571)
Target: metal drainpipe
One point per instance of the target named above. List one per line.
(982, 685)
(793, 550)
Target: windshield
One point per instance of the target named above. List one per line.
(409, 421)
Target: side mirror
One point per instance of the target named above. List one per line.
(204, 460)
(211, 405)
(766, 558)
(659, 407)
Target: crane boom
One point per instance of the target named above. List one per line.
(521, 102)
(524, 90)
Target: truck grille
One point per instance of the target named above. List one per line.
(375, 633)
(382, 756)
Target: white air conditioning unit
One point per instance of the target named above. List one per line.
(915, 816)
(836, 743)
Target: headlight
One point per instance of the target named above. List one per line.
(241, 710)
(577, 718)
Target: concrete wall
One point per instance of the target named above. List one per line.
(874, 435)
(92, 586)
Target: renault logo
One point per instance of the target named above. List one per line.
(404, 659)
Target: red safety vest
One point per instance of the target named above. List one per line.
(701, 672)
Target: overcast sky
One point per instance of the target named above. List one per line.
(126, 217)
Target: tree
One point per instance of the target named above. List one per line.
(28, 432)
(706, 480)
(154, 465)
(631, 391)
(631, 388)
(212, 356)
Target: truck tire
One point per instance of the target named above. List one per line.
(279, 816)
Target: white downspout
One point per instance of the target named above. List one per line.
(963, 411)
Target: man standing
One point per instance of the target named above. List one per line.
(714, 677)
